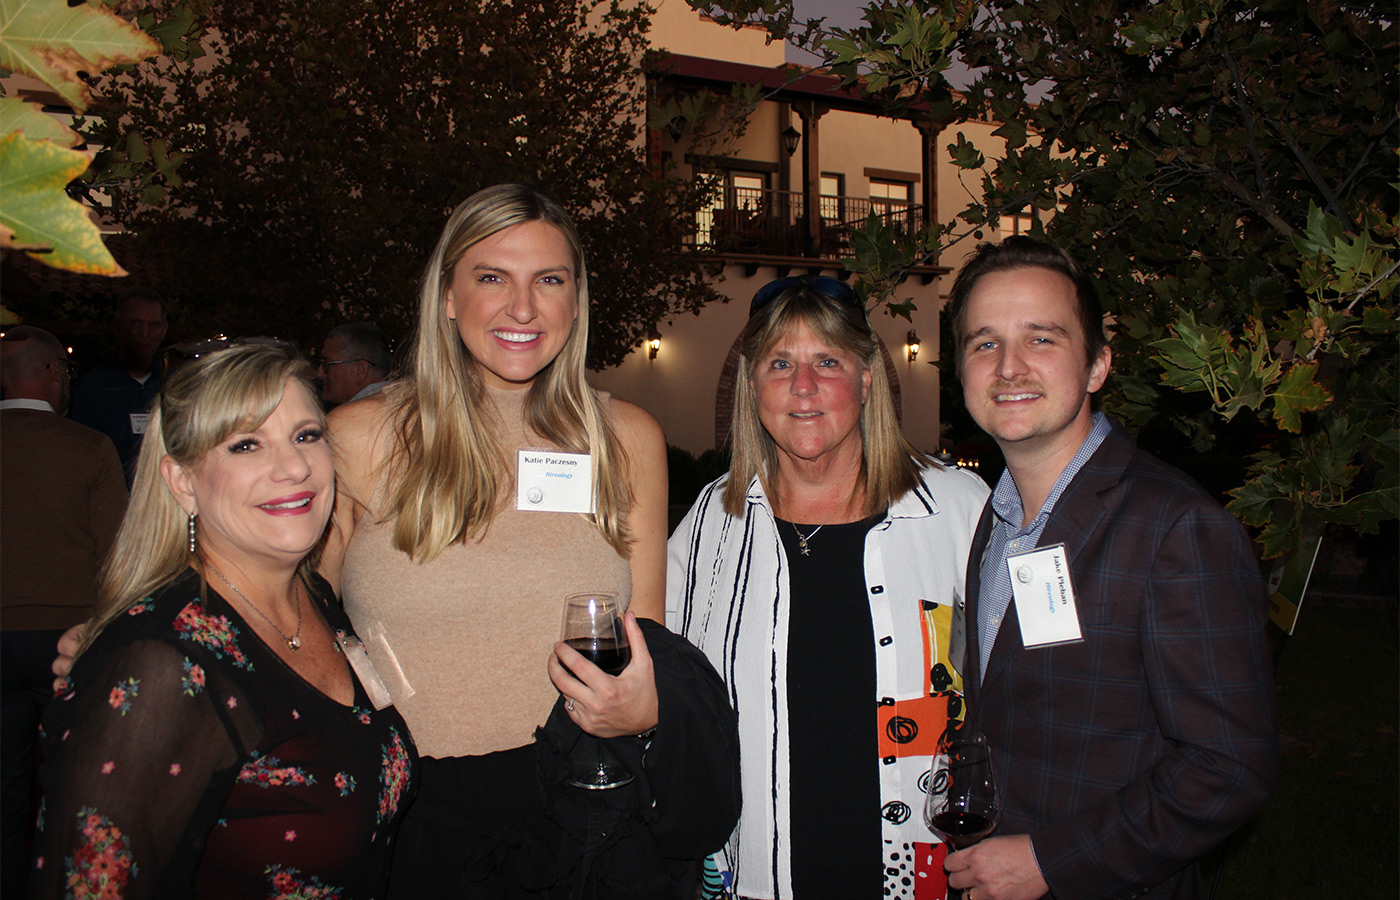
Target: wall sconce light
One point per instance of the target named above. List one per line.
(913, 345)
(790, 137)
(653, 343)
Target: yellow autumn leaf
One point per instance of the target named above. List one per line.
(55, 42)
(37, 213)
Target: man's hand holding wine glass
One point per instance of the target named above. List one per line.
(998, 868)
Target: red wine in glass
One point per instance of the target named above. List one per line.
(593, 627)
(606, 653)
(962, 829)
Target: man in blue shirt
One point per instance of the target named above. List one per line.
(1116, 656)
(115, 398)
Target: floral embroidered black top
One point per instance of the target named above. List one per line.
(187, 760)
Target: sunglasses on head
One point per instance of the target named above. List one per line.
(828, 287)
(175, 356)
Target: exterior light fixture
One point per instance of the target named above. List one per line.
(790, 137)
(913, 345)
(653, 343)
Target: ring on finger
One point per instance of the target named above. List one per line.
(569, 705)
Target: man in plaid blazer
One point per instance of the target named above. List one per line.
(1130, 744)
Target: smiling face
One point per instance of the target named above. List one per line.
(514, 297)
(809, 398)
(1023, 353)
(263, 496)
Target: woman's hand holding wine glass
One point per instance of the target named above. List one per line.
(606, 701)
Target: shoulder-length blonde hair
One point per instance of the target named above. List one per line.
(889, 463)
(447, 463)
(200, 406)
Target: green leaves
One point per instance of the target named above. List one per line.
(58, 44)
(1240, 375)
(38, 216)
(903, 48)
(965, 154)
(1298, 393)
(34, 123)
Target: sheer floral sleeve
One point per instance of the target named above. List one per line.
(187, 760)
(145, 744)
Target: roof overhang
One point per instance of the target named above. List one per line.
(785, 83)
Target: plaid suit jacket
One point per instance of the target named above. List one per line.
(1130, 754)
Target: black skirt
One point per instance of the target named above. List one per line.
(478, 832)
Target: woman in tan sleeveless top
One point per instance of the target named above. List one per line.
(458, 592)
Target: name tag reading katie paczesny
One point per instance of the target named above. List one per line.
(554, 482)
(1044, 593)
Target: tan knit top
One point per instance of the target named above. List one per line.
(462, 641)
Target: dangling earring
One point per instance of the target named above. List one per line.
(191, 534)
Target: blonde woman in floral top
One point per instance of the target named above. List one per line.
(219, 737)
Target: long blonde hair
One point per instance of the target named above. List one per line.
(447, 464)
(889, 463)
(202, 403)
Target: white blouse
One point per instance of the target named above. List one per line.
(727, 592)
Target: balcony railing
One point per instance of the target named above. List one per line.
(774, 223)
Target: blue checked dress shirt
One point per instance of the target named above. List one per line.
(1009, 537)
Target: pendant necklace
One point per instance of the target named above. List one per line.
(802, 539)
(294, 641)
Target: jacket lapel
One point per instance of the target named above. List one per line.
(1075, 519)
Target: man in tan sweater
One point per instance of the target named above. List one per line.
(62, 495)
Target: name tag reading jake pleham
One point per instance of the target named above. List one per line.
(1044, 593)
(547, 481)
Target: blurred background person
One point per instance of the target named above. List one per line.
(116, 397)
(62, 495)
(355, 362)
(219, 737)
(820, 576)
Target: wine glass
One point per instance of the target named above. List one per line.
(962, 805)
(593, 627)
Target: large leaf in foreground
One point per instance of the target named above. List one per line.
(56, 42)
(38, 215)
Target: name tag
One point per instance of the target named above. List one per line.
(957, 637)
(554, 482)
(1044, 595)
(364, 669)
(138, 422)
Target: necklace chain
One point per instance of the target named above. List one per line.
(294, 641)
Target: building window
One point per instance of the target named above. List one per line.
(1020, 223)
(833, 197)
(893, 202)
(890, 193)
(737, 194)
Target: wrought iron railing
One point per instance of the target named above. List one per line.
(747, 220)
